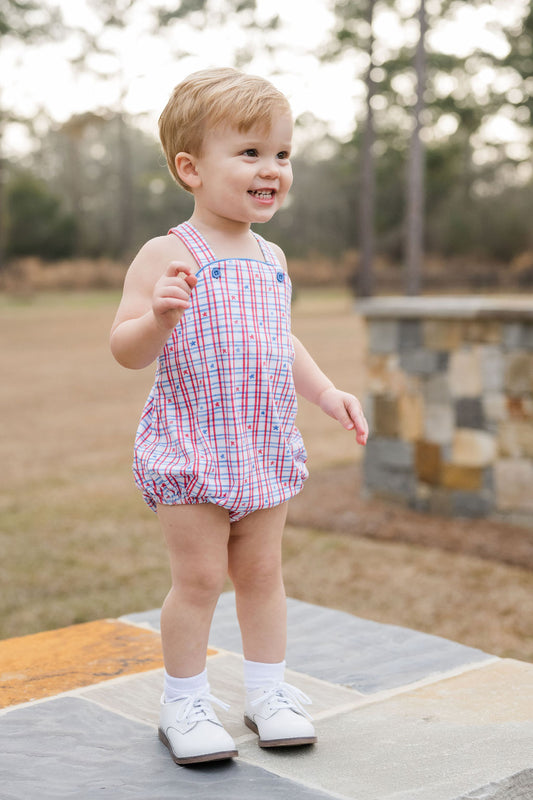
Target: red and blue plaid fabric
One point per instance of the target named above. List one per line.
(218, 426)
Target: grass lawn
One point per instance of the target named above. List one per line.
(78, 543)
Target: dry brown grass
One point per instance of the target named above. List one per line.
(77, 542)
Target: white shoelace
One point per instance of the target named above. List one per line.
(283, 695)
(197, 707)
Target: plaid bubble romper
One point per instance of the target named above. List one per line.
(218, 425)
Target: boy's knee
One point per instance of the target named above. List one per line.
(202, 585)
(259, 576)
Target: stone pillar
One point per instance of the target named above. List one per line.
(450, 404)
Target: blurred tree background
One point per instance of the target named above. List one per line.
(97, 185)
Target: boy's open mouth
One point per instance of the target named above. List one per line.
(262, 194)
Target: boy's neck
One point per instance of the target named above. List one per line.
(227, 238)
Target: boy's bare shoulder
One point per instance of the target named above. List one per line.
(164, 249)
(154, 258)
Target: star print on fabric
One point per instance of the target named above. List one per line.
(226, 379)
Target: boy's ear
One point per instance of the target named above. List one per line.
(186, 169)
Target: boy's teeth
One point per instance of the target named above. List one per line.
(259, 193)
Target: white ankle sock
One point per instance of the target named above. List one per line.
(178, 687)
(258, 675)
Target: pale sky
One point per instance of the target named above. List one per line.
(150, 68)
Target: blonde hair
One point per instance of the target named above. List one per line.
(212, 97)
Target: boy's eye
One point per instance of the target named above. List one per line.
(251, 152)
(283, 155)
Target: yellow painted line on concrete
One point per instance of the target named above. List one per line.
(44, 664)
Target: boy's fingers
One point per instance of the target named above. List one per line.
(347, 418)
(177, 268)
(358, 421)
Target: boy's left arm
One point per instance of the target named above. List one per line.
(311, 383)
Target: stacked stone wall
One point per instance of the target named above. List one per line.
(450, 405)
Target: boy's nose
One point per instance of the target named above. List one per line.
(269, 168)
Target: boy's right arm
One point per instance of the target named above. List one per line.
(156, 293)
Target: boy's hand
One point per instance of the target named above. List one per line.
(172, 293)
(346, 409)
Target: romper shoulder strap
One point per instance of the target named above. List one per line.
(267, 251)
(195, 242)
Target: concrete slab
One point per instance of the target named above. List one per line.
(138, 697)
(432, 743)
(516, 787)
(337, 647)
(500, 693)
(72, 748)
(429, 719)
(45, 664)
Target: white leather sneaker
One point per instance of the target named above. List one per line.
(192, 731)
(277, 716)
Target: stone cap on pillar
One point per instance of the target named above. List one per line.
(510, 307)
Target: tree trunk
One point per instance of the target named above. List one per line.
(3, 226)
(125, 188)
(2, 217)
(415, 176)
(365, 275)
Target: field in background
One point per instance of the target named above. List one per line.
(77, 542)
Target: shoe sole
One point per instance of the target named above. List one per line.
(200, 759)
(294, 742)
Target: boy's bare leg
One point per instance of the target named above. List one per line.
(273, 708)
(197, 542)
(255, 569)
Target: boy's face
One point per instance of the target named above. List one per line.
(245, 176)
